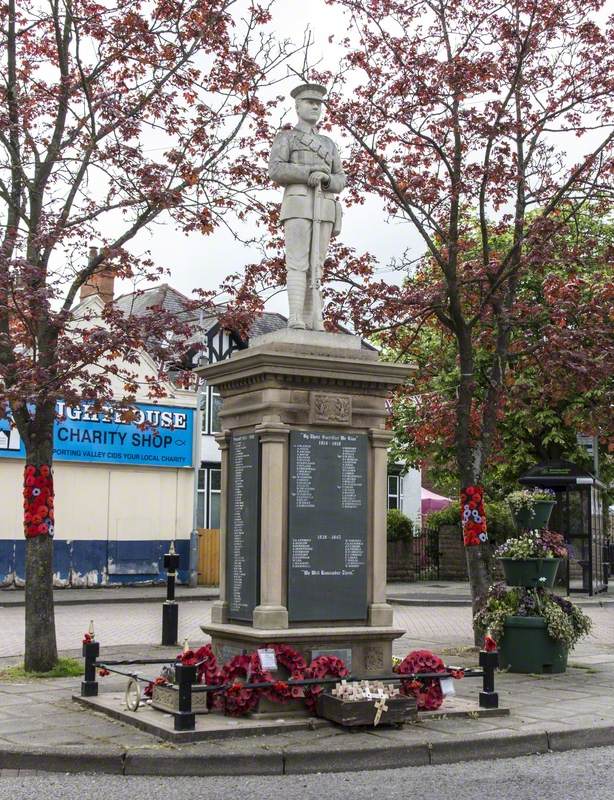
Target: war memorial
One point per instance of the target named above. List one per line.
(302, 617)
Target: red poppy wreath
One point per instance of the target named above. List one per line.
(322, 667)
(427, 691)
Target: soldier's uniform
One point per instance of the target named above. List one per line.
(295, 155)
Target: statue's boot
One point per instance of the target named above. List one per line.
(297, 283)
(313, 314)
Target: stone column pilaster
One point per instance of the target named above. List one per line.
(272, 612)
(219, 610)
(380, 613)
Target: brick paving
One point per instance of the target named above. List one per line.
(118, 624)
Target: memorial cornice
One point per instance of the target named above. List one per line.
(340, 633)
(258, 365)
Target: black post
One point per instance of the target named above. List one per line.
(170, 609)
(185, 676)
(489, 661)
(89, 684)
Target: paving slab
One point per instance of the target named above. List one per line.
(207, 726)
(566, 711)
(217, 726)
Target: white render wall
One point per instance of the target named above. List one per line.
(103, 504)
(209, 451)
(411, 484)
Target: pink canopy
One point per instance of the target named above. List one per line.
(433, 502)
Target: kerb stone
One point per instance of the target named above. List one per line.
(495, 746)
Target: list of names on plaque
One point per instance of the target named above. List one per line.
(243, 539)
(327, 526)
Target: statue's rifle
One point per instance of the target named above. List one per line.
(314, 259)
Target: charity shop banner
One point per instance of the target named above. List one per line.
(144, 435)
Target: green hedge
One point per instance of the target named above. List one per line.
(399, 526)
(498, 519)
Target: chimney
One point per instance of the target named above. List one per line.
(100, 283)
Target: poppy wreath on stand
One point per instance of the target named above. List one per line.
(207, 670)
(427, 691)
(473, 516)
(322, 667)
(38, 501)
(237, 700)
(294, 664)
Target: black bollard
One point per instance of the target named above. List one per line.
(170, 609)
(185, 718)
(89, 684)
(489, 661)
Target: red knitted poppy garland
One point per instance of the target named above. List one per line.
(38, 501)
(473, 516)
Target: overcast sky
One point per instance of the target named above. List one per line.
(197, 261)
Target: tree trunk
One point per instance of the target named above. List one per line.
(470, 458)
(41, 652)
(480, 578)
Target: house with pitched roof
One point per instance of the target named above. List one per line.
(124, 492)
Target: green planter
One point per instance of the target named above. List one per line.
(530, 572)
(527, 647)
(537, 518)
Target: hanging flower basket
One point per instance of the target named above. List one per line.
(531, 508)
(532, 518)
(530, 572)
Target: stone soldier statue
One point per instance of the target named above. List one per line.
(308, 165)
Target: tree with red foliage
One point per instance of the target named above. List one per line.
(461, 108)
(113, 116)
(559, 380)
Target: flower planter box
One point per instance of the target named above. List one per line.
(536, 518)
(530, 572)
(527, 647)
(362, 712)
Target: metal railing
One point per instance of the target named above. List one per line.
(425, 548)
(185, 680)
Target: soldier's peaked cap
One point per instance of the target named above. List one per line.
(309, 91)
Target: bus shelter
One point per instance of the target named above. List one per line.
(579, 515)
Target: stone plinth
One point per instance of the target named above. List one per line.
(303, 419)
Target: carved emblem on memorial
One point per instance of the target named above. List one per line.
(331, 409)
(374, 659)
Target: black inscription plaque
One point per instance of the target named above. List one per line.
(327, 526)
(243, 528)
